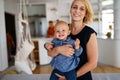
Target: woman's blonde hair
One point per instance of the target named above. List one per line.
(89, 12)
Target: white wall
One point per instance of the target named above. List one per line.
(109, 52)
(3, 46)
(36, 10)
(12, 6)
(55, 11)
(9, 6)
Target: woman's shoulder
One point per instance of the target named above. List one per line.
(89, 29)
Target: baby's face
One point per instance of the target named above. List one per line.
(62, 31)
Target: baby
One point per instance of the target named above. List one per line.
(64, 65)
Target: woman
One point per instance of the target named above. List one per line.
(81, 14)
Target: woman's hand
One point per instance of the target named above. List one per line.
(66, 50)
(60, 77)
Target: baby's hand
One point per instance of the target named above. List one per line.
(77, 44)
(48, 46)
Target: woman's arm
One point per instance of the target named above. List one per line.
(65, 50)
(92, 54)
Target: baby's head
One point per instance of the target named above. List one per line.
(61, 30)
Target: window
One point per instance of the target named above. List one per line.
(107, 18)
(103, 19)
(107, 22)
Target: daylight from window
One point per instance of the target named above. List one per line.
(107, 23)
(107, 19)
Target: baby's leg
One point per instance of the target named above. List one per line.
(53, 76)
(71, 75)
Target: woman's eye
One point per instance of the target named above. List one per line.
(82, 9)
(74, 7)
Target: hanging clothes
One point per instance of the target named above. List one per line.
(25, 46)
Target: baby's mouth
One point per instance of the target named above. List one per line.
(61, 35)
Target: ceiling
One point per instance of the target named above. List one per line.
(95, 3)
(105, 4)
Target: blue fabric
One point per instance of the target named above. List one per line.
(63, 63)
(69, 75)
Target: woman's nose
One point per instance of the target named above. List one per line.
(77, 10)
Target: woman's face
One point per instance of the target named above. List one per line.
(78, 10)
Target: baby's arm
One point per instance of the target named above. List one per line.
(77, 44)
(48, 46)
(78, 48)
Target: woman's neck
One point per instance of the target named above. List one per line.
(76, 27)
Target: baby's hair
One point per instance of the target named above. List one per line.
(62, 22)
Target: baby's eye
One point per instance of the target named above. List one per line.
(57, 31)
(63, 30)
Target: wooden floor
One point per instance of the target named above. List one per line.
(46, 69)
(106, 69)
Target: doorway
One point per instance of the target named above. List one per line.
(10, 36)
